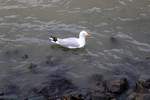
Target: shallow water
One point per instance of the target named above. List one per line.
(120, 43)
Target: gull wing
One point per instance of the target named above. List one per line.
(69, 42)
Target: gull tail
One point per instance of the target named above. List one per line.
(53, 39)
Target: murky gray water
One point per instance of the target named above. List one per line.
(120, 43)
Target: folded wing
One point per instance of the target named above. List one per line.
(69, 42)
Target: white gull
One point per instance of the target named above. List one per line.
(71, 42)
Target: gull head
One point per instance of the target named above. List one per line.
(84, 34)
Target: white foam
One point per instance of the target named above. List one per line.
(124, 36)
(11, 16)
(122, 3)
(125, 19)
(94, 9)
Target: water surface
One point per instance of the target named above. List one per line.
(120, 43)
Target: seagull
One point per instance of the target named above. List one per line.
(71, 42)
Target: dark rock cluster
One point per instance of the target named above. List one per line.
(108, 89)
(61, 88)
(113, 89)
(56, 88)
(141, 91)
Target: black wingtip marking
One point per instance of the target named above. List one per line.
(54, 38)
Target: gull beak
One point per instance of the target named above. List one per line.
(88, 34)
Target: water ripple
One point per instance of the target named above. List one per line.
(27, 40)
(145, 47)
(94, 9)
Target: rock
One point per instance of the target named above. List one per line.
(132, 95)
(107, 89)
(117, 86)
(139, 87)
(57, 87)
(73, 97)
(99, 88)
(139, 96)
(142, 86)
(146, 84)
(60, 88)
(146, 96)
(102, 96)
(141, 91)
